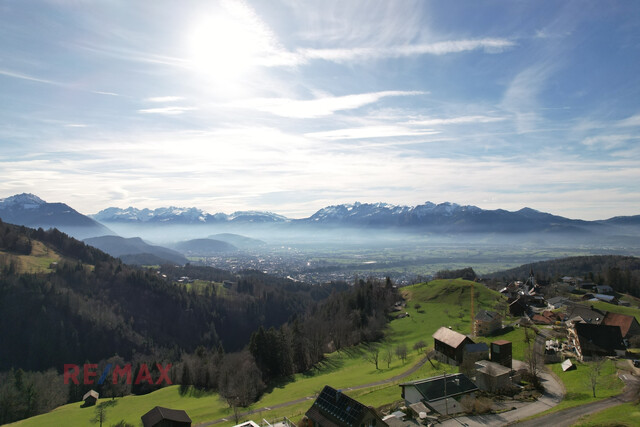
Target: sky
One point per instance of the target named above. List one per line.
(290, 106)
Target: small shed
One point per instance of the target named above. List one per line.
(492, 377)
(567, 365)
(165, 417)
(90, 398)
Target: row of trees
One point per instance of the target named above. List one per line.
(622, 273)
(344, 319)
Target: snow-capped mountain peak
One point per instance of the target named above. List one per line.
(24, 200)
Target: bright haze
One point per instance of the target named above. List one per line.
(290, 106)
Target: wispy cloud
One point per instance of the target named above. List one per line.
(100, 92)
(630, 121)
(456, 120)
(165, 98)
(370, 132)
(319, 107)
(521, 96)
(172, 110)
(22, 76)
(489, 45)
(608, 142)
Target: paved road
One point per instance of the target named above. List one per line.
(554, 392)
(413, 369)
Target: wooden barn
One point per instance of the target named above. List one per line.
(450, 345)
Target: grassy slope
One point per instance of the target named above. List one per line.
(442, 302)
(38, 261)
(611, 417)
(578, 384)
(605, 306)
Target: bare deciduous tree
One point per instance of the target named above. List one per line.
(419, 346)
(388, 356)
(595, 369)
(401, 352)
(372, 355)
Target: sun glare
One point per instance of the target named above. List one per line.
(226, 44)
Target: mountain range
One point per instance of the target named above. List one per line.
(444, 218)
(31, 211)
(437, 218)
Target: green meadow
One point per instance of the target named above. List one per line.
(429, 305)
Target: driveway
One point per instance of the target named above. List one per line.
(554, 392)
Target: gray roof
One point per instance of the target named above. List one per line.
(557, 300)
(476, 348)
(492, 368)
(433, 388)
(486, 316)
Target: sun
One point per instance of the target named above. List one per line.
(229, 43)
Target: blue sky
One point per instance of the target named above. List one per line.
(290, 106)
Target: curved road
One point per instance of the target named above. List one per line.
(413, 369)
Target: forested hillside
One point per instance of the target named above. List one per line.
(90, 307)
(622, 273)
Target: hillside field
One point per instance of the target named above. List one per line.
(439, 303)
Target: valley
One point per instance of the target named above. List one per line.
(403, 263)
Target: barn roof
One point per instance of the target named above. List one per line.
(91, 393)
(621, 320)
(159, 413)
(450, 337)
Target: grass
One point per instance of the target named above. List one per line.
(607, 416)
(38, 261)
(440, 303)
(605, 306)
(578, 385)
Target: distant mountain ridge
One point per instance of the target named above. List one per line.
(174, 215)
(438, 218)
(444, 218)
(31, 211)
(134, 250)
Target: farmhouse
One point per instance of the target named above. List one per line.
(449, 345)
(440, 394)
(165, 417)
(629, 326)
(332, 408)
(486, 322)
(592, 340)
